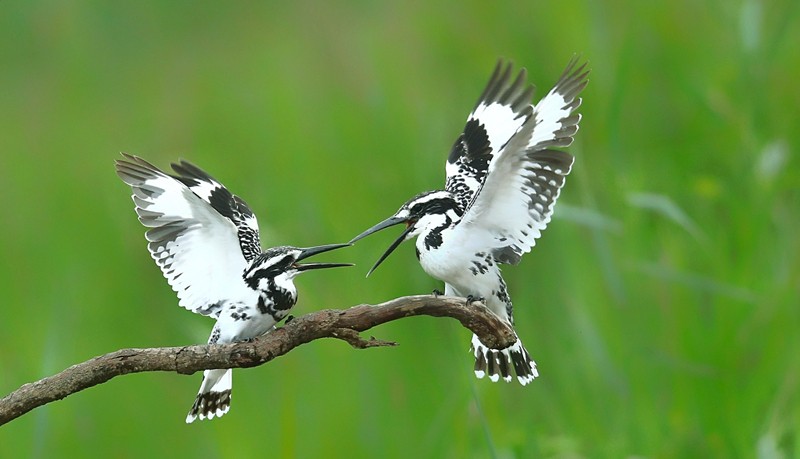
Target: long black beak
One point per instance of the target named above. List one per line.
(391, 221)
(311, 251)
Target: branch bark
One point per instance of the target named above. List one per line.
(345, 324)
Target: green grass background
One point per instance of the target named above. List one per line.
(661, 304)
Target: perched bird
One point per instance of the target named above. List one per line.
(206, 242)
(503, 179)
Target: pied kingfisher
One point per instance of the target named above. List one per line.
(206, 242)
(503, 179)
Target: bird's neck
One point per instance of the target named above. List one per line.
(283, 291)
(278, 298)
(436, 227)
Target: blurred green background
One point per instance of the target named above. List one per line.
(661, 305)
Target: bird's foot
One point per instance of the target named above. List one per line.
(472, 299)
(437, 292)
(289, 318)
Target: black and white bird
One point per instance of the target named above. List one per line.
(503, 179)
(206, 242)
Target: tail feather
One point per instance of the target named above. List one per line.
(498, 362)
(214, 397)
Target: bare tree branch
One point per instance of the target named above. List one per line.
(342, 324)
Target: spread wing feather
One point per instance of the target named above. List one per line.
(516, 198)
(223, 201)
(195, 227)
(501, 110)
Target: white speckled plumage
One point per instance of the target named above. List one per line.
(206, 242)
(503, 178)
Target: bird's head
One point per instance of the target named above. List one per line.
(420, 214)
(283, 263)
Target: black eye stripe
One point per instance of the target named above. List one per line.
(277, 267)
(435, 206)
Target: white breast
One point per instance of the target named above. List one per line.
(461, 264)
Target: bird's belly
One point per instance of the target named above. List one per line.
(261, 324)
(467, 272)
(240, 322)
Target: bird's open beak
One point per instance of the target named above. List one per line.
(311, 251)
(391, 221)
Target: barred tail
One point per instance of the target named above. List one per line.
(214, 397)
(497, 363)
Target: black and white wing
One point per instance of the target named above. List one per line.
(501, 110)
(223, 201)
(516, 199)
(201, 236)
